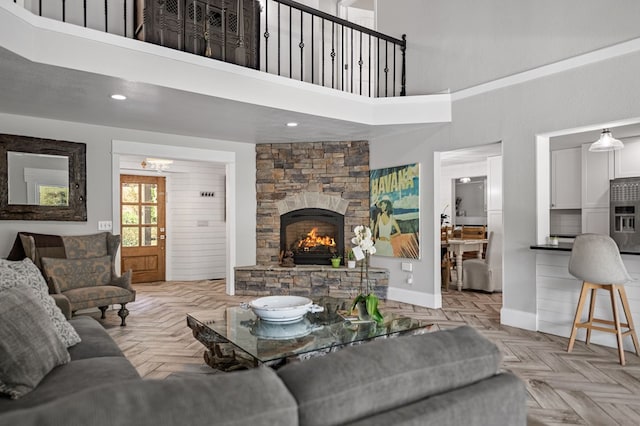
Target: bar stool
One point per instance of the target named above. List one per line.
(595, 259)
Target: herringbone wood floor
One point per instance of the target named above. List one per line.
(587, 386)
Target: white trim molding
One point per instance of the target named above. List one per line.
(519, 319)
(412, 297)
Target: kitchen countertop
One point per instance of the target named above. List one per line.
(567, 247)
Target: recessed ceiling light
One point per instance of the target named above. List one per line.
(292, 124)
(118, 97)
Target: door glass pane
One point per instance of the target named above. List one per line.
(150, 236)
(149, 193)
(130, 192)
(130, 237)
(130, 215)
(149, 215)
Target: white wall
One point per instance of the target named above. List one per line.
(604, 91)
(198, 234)
(458, 44)
(99, 178)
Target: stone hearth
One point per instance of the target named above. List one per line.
(308, 280)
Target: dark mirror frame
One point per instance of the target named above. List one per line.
(76, 152)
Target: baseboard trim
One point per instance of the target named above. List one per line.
(520, 319)
(412, 297)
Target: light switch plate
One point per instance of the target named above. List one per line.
(105, 225)
(407, 266)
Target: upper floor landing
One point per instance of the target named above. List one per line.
(58, 70)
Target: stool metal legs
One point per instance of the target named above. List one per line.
(617, 325)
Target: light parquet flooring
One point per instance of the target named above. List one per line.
(587, 386)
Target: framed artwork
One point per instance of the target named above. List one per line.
(395, 210)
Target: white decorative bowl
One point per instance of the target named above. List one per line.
(282, 330)
(283, 308)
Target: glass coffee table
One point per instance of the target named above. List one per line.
(236, 339)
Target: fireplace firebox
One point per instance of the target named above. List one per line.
(313, 235)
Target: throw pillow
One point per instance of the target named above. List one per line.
(84, 246)
(67, 274)
(24, 273)
(29, 345)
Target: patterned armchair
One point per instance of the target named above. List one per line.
(81, 269)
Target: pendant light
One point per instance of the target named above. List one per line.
(606, 143)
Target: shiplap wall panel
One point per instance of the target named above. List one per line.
(557, 294)
(198, 229)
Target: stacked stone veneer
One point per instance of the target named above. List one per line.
(326, 175)
(308, 280)
(292, 176)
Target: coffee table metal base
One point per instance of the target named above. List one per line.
(223, 355)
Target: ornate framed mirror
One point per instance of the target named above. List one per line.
(42, 179)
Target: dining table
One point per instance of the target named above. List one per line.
(457, 246)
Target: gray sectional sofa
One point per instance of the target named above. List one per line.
(443, 378)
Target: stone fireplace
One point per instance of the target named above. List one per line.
(299, 187)
(312, 235)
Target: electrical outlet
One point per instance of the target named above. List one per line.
(410, 279)
(105, 225)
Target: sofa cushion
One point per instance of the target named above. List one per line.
(82, 298)
(85, 246)
(333, 390)
(254, 397)
(69, 274)
(24, 273)
(29, 344)
(96, 342)
(498, 400)
(73, 378)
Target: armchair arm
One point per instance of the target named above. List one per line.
(123, 281)
(63, 303)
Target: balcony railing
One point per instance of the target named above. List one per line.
(281, 37)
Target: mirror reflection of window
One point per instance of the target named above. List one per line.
(38, 179)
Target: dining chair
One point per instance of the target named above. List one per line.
(472, 232)
(445, 258)
(595, 259)
(477, 274)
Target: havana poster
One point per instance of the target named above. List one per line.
(395, 210)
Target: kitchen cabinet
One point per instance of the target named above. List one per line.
(627, 160)
(595, 221)
(597, 170)
(566, 192)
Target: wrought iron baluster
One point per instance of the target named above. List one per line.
(106, 14)
(403, 78)
(378, 69)
(279, 37)
(342, 68)
(386, 68)
(40, 7)
(64, 11)
(333, 56)
(323, 52)
(351, 63)
(266, 36)
(301, 45)
(312, 50)
(360, 62)
(290, 43)
(84, 12)
(394, 70)
(369, 65)
(125, 18)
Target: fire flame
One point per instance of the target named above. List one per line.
(313, 240)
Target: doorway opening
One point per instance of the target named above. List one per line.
(470, 195)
